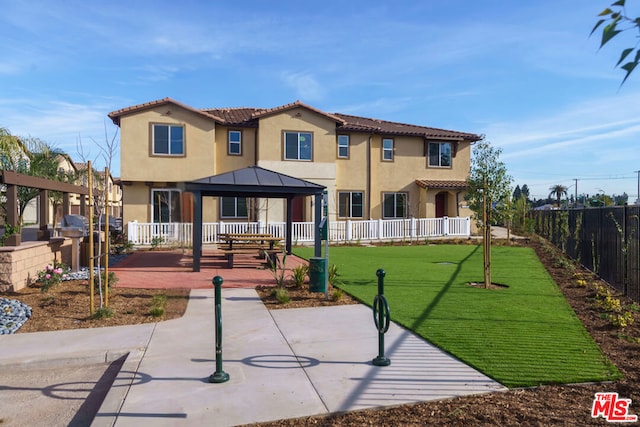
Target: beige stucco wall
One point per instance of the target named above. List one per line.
(136, 160)
(271, 138)
(351, 173)
(224, 162)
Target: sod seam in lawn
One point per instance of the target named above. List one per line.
(522, 335)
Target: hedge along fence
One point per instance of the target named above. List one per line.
(604, 240)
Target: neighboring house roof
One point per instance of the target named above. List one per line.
(444, 185)
(249, 116)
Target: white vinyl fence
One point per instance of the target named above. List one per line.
(143, 234)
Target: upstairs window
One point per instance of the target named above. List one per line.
(387, 149)
(350, 204)
(168, 140)
(394, 205)
(235, 142)
(440, 154)
(298, 146)
(343, 146)
(233, 207)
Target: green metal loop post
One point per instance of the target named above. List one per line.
(219, 376)
(382, 319)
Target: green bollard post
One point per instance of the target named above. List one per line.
(219, 376)
(381, 318)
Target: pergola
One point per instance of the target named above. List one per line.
(12, 180)
(253, 181)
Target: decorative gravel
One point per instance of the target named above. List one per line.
(13, 314)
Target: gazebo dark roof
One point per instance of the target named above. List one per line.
(253, 181)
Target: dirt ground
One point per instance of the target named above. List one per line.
(67, 307)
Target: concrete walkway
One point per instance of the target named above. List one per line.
(282, 364)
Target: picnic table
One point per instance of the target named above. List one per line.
(244, 243)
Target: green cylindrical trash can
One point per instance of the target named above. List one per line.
(317, 274)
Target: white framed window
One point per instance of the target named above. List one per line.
(387, 149)
(440, 154)
(343, 146)
(233, 207)
(394, 205)
(235, 143)
(168, 140)
(166, 205)
(350, 204)
(298, 146)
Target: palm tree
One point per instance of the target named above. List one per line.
(558, 190)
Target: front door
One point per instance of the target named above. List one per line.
(441, 205)
(298, 209)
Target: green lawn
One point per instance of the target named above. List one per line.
(523, 335)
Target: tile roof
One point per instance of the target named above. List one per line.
(296, 105)
(248, 117)
(364, 124)
(445, 185)
(115, 115)
(241, 117)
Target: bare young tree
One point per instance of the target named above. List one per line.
(106, 152)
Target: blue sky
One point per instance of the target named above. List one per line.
(525, 74)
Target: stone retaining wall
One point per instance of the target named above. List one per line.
(19, 265)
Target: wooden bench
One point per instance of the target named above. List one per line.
(268, 255)
(234, 240)
(234, 244)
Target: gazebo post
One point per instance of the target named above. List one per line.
(289, 225)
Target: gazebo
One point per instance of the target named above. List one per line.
(253, 181)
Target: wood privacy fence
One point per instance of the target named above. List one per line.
(604, 240)
(302, 232)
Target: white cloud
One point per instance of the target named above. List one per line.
(307, 88)
(60, 124)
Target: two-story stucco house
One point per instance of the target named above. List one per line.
(373, 169)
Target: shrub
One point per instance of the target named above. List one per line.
(277, 267)
(158, 305)
(51, 276)
(337, 294)
(281, 294)
(156, 241)
(581, 283)
(333, 275)
(102, 313)
(622, 320)
(120, 244)
(610, 303)
(113, 279)
(300, 272)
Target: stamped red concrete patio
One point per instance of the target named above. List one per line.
(173, 269)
